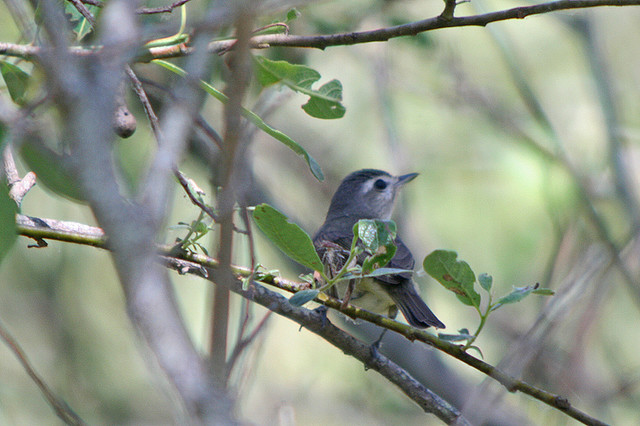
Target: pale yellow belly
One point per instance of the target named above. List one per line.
(369, 295)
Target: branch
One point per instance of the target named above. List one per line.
(80, 7)
(141, 10)
(414, 28)
(61, 408)
(187, 184)
(232, 151)
(18, 187)
(318, 324)
(161, 9)
(206, 267)
(30, 52)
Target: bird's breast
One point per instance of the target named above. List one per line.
(368, 294)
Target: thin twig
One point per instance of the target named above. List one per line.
(144, 100)
(202, 124)
(244, 342)
(606, 92)
(61, 408)
(96, 3)
(80, 7)
(184, 182)
(161, 9)
(241, 341)
(142, 10)
(155, 126)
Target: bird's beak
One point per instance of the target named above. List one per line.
(406, 178)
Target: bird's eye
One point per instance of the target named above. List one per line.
(380, 184)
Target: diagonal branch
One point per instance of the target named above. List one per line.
(61, 408)
(206, 267)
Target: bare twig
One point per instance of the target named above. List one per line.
(61, 408)
(604, 84)
(97, 3)
(184, 182)
(80, 7)
(161, 9)
(144, 100)
(142, 10)
(244, 342)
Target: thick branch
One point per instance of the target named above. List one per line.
(318, 324)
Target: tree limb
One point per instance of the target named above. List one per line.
(30, 52)
(197, 263)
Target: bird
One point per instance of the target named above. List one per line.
(371, 194)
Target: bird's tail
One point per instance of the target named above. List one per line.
(416, 312)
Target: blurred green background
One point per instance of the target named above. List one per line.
(493, 185)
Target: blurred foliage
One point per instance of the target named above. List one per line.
(497, 184)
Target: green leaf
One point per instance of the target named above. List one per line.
(516, 295)
(48, 167)
(8, 210)
(16, 80)
(292, 14)
(377, 237)
(303, 296)
(255, 120)
(327, 107)
(387, 271)
(454, 275)
(307, 278)
(323, 103)
(81, 27)
(375, 273)
(287, 236)
(375, 233)
(486, 281)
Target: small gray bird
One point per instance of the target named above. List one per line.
(371, 194)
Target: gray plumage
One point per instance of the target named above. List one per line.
(371, 194)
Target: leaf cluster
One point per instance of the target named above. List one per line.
(375, 240)
(373, 243)
(457, 276)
